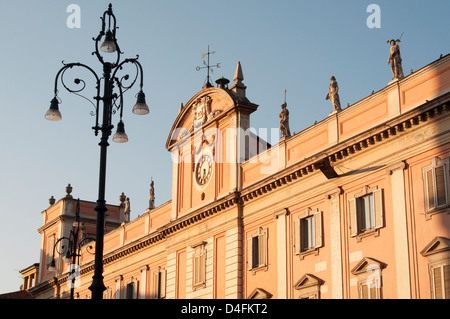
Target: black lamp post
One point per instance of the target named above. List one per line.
(112, 102)
(71, 248)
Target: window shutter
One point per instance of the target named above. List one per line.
(156, 284)
(353, 217)
(202, 274)
(262, 245)
(249, 253)
(297, 236)
(196, 269)
(441, 191)
(447, 281)
(364, 291)
(318, 229)
(199, 268)
(429, 181)
(162, 293)
(135, 289)
(378, 205)
(437, 277)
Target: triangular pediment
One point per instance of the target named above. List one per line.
(437, 245)
(259, 293)
(308, 280)
(367, 264)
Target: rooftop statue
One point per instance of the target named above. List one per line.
(284, 121)
(395, 60)
(333, 94)
(151, 199)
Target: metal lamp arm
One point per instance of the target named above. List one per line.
(139, 71)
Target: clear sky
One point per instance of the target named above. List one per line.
(286, 44)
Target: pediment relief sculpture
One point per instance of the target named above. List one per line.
(202, 112)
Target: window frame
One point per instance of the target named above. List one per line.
(131, 289)
(199, 266)
(310, 222)
(357, 213)
(369, 274)
(159, 283)
(257, 257)
(437, 253)
(435, 164)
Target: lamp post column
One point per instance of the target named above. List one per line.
(97, 287)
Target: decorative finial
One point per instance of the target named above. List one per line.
(238, 86)
(68, 191)
(208, 67)
(122, 198)
(238, 75)
(51, 200)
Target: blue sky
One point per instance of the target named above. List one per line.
(293, 45)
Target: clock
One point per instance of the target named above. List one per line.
(203, 170)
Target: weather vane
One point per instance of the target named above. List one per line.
(207, 65)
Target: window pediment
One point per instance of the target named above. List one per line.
(367, 264)
(308, 280)
(260, 293)
(437, 245)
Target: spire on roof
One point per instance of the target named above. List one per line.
(238, 75)
(238, 86)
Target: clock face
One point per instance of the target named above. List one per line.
(203, 170)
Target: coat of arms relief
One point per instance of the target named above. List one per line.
(202, 112)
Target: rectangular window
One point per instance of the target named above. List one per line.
(130, 291)
(436, 181)
(199, 266)
(257, 250)
(308, 231)
(159, 283)
(441, 282)
(368, 291)
(366, 211)
(50, 249)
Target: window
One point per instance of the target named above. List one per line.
(436, 182)
(368, 273)
(308, 232)
(131, 289)
(366, 212)
(50, 250)
(368, 291)
(309, 287)
(257, 250)
(441, 281)
(107, 294)
(438, 254)
(159, 283)
(199, 266)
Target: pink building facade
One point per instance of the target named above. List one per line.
(354, 207)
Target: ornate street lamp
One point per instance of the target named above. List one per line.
(70, 247)
(112, 103)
